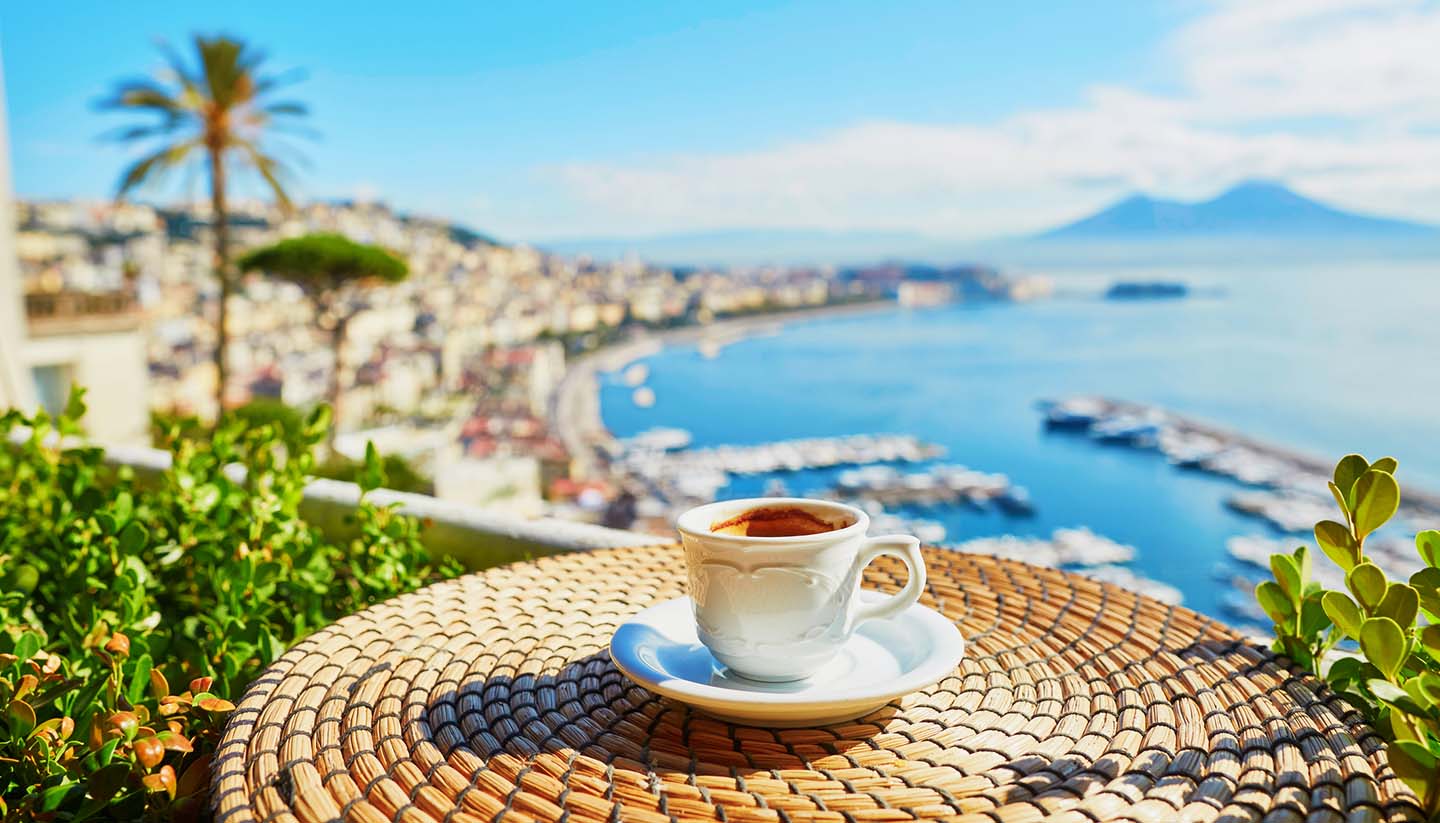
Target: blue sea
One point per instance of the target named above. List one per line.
(1326, 357)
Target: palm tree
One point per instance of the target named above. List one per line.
(331, 271)
(214, 110)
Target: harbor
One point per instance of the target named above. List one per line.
(574, 406)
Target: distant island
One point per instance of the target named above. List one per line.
(1146, 290)
(1255, 208)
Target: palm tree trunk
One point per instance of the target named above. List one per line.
(221, 224)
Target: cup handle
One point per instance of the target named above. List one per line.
(904, 548)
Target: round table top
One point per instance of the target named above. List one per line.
(493, 697)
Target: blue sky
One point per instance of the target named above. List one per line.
(538, 121)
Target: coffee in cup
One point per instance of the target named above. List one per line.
(774, 581)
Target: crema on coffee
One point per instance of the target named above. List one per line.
(775, 522)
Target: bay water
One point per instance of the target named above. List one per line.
(1326, 357)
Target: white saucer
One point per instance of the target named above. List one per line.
(884, 659)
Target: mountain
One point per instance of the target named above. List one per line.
(748, 247)
(1257, 208)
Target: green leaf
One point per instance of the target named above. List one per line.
(54, 797)
(1344, 613)
(133, 537)
(270, 646)
(1343, 670)
(140, 679)
(1340, 500)
(1387, 691)
(122, 508)
(1287, 574)
(318, 422)
(27, 645)
(1401, 604)
(1426, 580)
(106, 781)
(1426, 583)
(1377, 498)
(1347, 471)
(1418, 691)
(1386, 464)
(1401, 717)
(1313, 618)
(1367, 582)
(1427, 543)
(106, 753)
(75, 404)
(1425, 685)
(206, 497)
(1416, 766)
(1275, 602)
(1383, 642)
(1337, 543)
(372, 474)
(1430, 639)
(20, 718)
(1303, 564)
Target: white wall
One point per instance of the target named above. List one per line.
(15, 386)
(112, 368)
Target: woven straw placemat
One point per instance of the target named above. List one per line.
(491, 697)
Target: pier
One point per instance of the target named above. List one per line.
(1296, 480)
(943, 485)
(691, 475)
(1080, 550)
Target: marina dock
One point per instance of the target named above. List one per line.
(941, 485)
(1291, 486)
(679, 475)
(1080, 550)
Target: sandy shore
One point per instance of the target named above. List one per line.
(575, 405)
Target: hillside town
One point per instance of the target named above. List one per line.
(454, 369)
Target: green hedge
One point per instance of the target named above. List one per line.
(133, 614)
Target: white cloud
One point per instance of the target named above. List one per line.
(1341, 98)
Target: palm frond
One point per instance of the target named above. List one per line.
(210, 98)
(270, 169)
(131, 134)
(227, 67)
(270, 82)
(143, 94)
(153, 166)
(180, 71)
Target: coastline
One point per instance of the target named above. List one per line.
(575, 404)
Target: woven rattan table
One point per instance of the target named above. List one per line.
(492, 697)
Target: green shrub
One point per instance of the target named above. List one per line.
(289, 426)
(1395, 678)
(131, 615)
(400, 475)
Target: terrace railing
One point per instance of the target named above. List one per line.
(476, 537)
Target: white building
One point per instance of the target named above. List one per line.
(66, 339)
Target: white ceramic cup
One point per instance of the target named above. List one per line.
(779, 608)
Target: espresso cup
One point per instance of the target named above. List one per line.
(775, 581)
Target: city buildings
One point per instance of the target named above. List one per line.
(455, 368)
